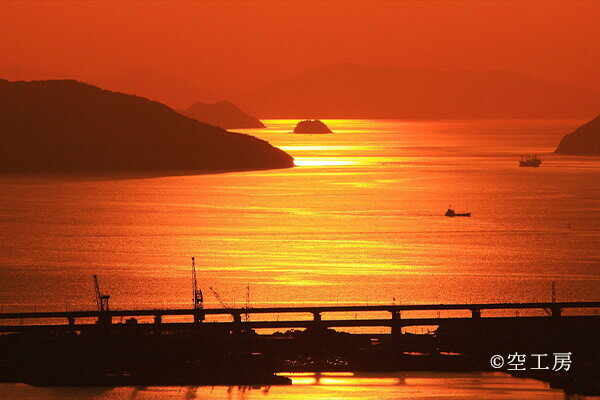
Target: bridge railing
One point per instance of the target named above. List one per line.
(554, 309)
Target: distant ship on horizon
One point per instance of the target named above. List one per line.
(529, 161)
(452, 213)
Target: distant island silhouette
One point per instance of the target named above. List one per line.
(66, 125)
(162, 86)
(364, 91)
(311, 126)
(584, 140)
(359, 91)
(223, 114)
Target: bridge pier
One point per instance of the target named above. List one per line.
(237, 318)
(104, 319)
(317, 348)
(198, 316)
(556, 312)
(237, 324)
(396, 324)
(317, 324)
(477, 341)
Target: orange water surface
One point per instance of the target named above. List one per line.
(358, 221)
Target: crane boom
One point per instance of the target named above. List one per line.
(246, 315)
(198, 299)
(97, 288)
(219, 298)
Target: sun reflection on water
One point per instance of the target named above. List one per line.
(339, 379)
(321, 162)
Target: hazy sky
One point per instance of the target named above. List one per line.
(246, 43)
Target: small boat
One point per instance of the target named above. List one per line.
(452, 213)
(529, 161)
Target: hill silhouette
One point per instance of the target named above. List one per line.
(144, 81)
(223, 114)
(65, 125)
(584, 140)
(157, 85)
(359, 91)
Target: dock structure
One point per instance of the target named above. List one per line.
(37, 321)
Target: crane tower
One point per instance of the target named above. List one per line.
(101, 299)
(198, 298)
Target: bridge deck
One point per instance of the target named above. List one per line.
(34, 320)
(310, 310)
(346, 323)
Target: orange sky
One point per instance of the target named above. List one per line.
(233, 44)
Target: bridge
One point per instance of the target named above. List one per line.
(37, 321)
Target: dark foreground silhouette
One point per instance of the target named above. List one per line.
(584, 140)
(232, 353)
(65, 125)
(311, 126)
(223, 114)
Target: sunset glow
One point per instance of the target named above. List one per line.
(299, 200)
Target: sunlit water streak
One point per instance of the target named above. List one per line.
(358, 221)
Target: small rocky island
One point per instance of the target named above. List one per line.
(584, 140)
(66, 125)
(223, 114)
(311, 126)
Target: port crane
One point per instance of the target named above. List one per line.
(548, 310)
(198, 298)
(101, 299)
(219, 298)
(246, 315)
(226, 306)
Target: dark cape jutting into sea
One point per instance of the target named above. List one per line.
(65, 125)
(585, 140)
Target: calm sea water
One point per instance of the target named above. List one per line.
(358, 221)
